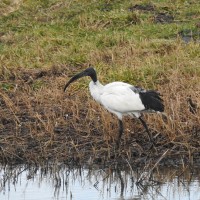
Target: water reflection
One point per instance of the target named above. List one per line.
(62, 182)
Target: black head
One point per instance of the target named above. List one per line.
(88, 72)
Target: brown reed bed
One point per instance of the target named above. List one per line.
(41, 123)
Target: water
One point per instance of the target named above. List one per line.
(60, 182)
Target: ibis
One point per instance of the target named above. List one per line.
(122, 99)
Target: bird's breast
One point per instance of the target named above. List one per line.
(96, 90)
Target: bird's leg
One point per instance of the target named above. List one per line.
(120, 133)
(147, 130)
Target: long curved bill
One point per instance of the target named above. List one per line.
(74, 78)
(87, 72)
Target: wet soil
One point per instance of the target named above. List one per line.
(189, 35)
(146, 7)
(39, 123)
(158, 17)
(163, 18)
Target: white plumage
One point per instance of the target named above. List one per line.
(122, 98)
(118, 98)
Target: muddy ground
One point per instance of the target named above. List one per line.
(40, 123)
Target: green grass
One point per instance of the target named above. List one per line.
(42, 34)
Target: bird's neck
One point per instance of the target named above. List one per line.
(96, 90)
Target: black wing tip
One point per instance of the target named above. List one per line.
(152, 100)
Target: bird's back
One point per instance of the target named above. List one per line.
(151, 99)
(122, 98)
(119, 97)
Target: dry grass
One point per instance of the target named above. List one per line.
(39, 122)
(9, 6)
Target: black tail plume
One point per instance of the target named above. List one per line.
(152, 100)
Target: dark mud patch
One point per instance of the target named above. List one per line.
(43, 124)
(106, 7)
(158, 16)
(163, 18)
(145, 7)
(189, 35)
